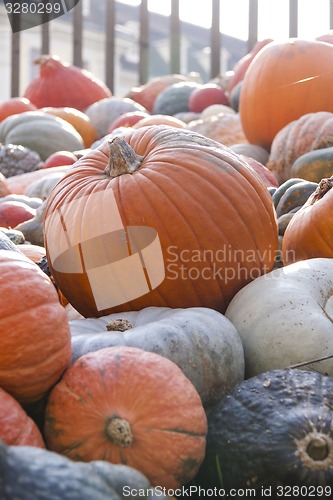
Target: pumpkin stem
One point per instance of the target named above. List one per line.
(118, 430)
(318, 448)
(118, 325)
(323, 187)
(315, 450)
(123, 159)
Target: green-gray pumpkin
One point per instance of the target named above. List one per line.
(41, 132)
(31, 473)
(201, 341)
(275, 429)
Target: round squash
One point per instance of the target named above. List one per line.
(285, 317)
(35, 338)
(295, 196)
(310, 233)
(61, 84)
(271, 433)
(175, 98)
(146, 94)
(104, 112)
(285, 80)
(44, 474)
(314, 165)
(16, 428)
(163, 190)
(125, 405)
(311, 131)
(188, 337)
(40, 132)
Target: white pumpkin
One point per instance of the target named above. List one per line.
(285, 318)
(201, 341)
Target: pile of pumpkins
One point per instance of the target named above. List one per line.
(166, 281)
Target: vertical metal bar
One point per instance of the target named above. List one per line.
(175, 63)
(144, 43)
(77, 34)
(253, 24)
(15, 55)
(331, 14)
(293, 18)
(110, 21)
(45, 48)
(215, 40)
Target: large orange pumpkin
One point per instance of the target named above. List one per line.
(309, 234)
(16, 427)
(35, 344)
(159, 216)
(284, 81)
(126, 405)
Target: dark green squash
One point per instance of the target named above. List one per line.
(295, 196)
(174, 99)
(30, 473)
(283, 188)
(314, 165)
(272, 429)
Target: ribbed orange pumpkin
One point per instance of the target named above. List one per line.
(35, 344)
(309, 234)
(126, 405)
(160, 216)
(16, 427)
(60, 84)
(284, 81)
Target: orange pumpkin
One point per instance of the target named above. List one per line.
(80, 121)
(15, 105)
(310, 131)
(126, 405)
(16, 427)
(61, 84)
(35, 344)
(309, 233)
(159, 216)
(284, 81)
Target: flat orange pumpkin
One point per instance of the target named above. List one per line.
(125, 405)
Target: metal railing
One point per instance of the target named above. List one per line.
(110, 9)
